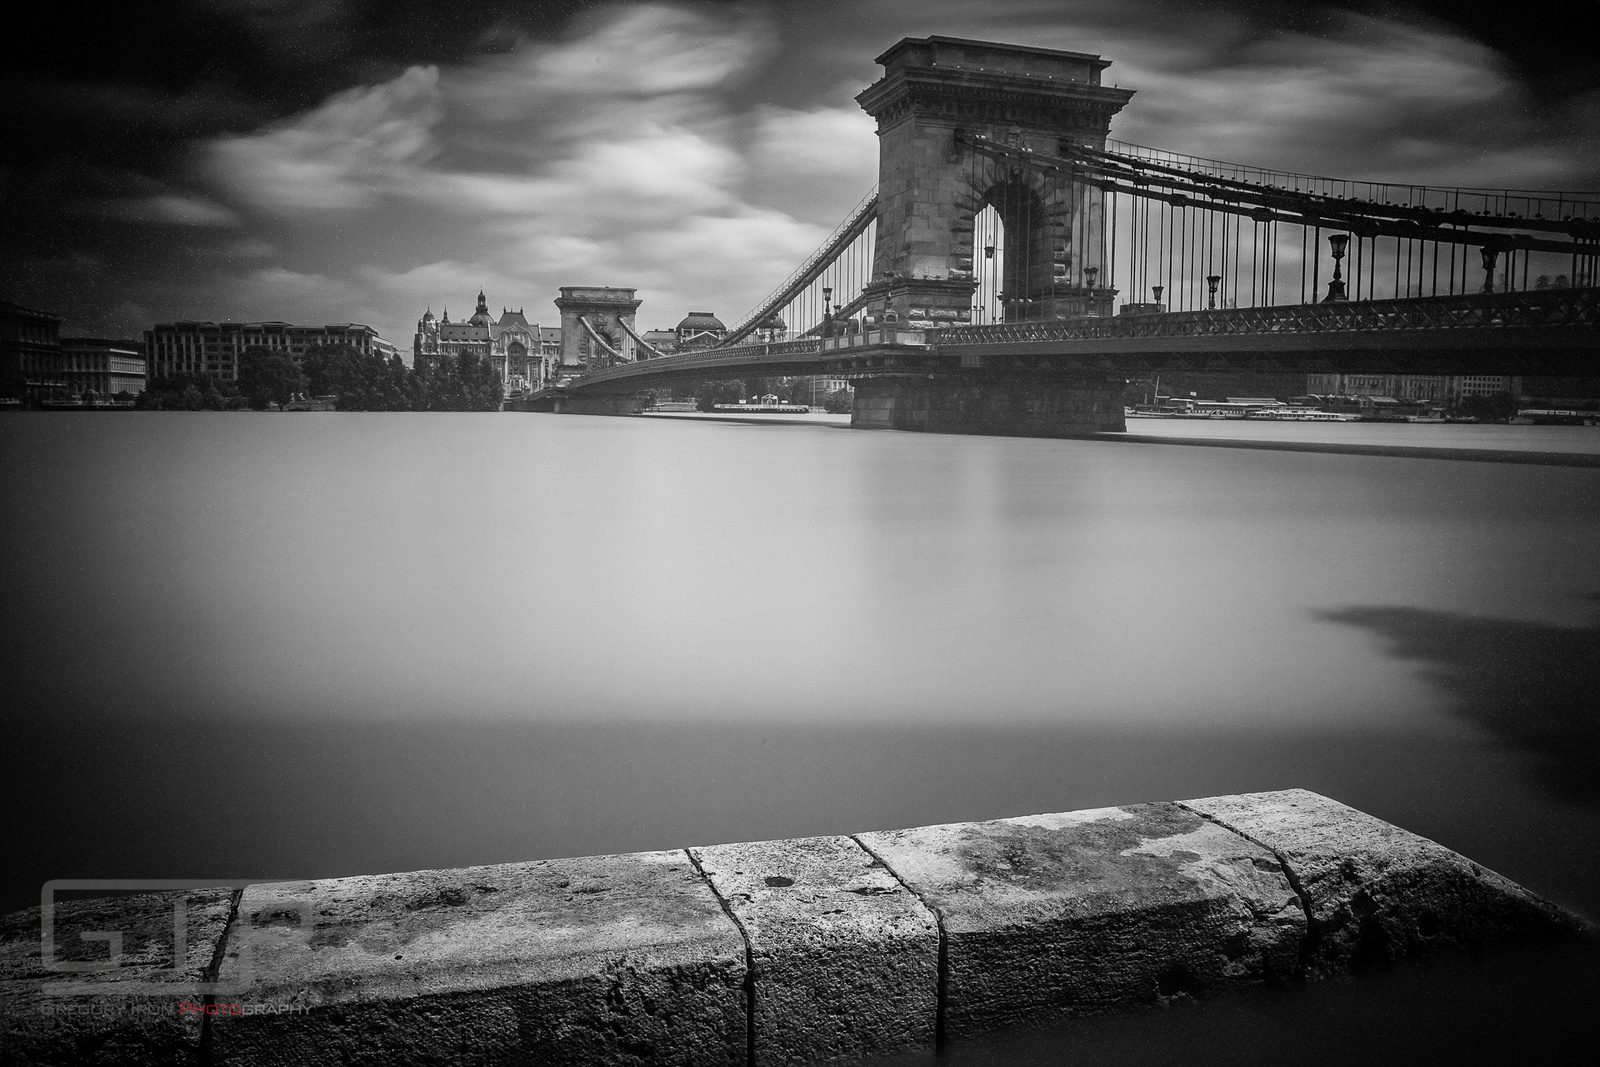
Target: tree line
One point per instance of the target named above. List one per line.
(358, 381)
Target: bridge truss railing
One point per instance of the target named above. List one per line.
(1545, 320)
(1548, 307)
(740, 358)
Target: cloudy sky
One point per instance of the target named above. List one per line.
(360, 160)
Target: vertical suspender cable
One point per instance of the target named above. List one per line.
(1316, 265)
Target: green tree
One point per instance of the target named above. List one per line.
(839, 402)
(267, 377)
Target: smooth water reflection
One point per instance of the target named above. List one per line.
(261, 645)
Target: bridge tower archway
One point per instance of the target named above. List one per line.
(938, 95)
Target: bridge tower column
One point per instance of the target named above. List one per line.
(931, 184)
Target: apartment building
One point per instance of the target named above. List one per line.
(102, 366)
(213, 348)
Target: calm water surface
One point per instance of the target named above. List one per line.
(248, 645)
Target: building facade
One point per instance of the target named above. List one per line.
(213, 348)
(30, 354)
(97, 365)
(700, 329)
(524, 354)
(1438, 387)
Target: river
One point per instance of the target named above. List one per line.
(275, 645)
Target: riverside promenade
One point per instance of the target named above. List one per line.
(757, 953)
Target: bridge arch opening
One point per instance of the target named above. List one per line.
(1013, 250)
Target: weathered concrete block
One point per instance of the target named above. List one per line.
(845, 961)
(1376, 892)
(144, 1010)
(1056, 915)
(605, 959)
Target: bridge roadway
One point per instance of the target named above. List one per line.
(1541, 332)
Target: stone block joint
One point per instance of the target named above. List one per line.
(749, 961)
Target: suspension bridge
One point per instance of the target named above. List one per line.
(1015, 266)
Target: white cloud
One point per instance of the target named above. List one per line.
(614, 157)
(824, 140)
(358, 144)
(177, 208)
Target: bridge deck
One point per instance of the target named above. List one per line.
(1552, 331)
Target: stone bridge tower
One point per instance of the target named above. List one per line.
(931, 186)
(605, 309)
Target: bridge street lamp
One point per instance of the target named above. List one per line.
(1489, 254)
(1336, 245)
(827, 311)
(1158, 290)
(1211, 286)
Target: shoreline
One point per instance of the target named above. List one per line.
(1470, 455)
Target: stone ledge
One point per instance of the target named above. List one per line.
(1376, 893)
(845, 961)
(120, 1015)
(1085, 912)
(600, 960)
(765, 952)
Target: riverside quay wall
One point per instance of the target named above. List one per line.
(758, 953)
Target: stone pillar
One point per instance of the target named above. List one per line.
(1006, 407)
(931, 184)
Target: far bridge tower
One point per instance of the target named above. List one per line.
(597, 323)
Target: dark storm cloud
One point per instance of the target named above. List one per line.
(335, 160)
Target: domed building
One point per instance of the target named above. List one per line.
(771, 329)
(700, 329)
(523, 353)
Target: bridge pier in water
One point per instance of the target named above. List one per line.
(1012, 406)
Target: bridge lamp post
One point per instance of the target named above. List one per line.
(1336, 245)
(1212, 280)
(1158, 290)
(827, 311)
(1489, 255)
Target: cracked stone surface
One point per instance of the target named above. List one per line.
(606, 959)
(1084, 912)
(845, 960)
(1377, 893)
(124, 1015)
